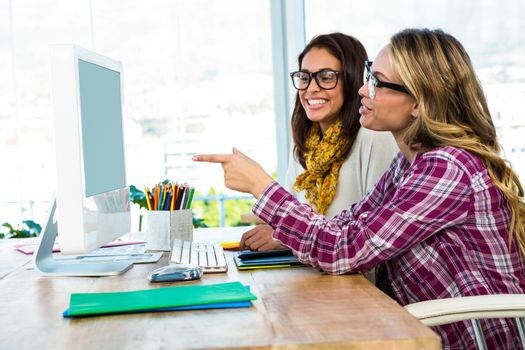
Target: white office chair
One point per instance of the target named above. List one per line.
(444, 311)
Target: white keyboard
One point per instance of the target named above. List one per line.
(209, 256)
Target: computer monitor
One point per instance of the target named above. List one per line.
(92, 197)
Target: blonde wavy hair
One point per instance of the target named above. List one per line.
(453, 110)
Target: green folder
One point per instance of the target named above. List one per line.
(82, 304)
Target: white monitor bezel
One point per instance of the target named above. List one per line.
(78, 216)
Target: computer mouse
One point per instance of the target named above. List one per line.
(175, 272)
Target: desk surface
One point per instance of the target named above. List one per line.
(298, 307)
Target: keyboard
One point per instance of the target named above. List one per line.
(208, 256)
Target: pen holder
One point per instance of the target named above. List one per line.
(163, 227)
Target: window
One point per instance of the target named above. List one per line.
(492, 33)
(197, 79)
(27, 179)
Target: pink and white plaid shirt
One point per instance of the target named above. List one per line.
(434, 228)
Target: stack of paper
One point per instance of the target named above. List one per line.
(224, 295)
(247, 260)
(29, 248)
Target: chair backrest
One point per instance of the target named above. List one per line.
(449, 310)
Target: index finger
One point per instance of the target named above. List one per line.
(212, 158)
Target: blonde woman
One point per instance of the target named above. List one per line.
(447, 218)
(335, 161)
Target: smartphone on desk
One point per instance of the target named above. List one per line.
(257, 254)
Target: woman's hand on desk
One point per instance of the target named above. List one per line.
(241, 173)
(259, 238)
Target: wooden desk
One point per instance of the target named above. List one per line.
(296, 308)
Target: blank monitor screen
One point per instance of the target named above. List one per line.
(102, 135)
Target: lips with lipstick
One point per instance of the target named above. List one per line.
(363, 109)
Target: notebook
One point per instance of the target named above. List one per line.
(227, 305)
(247, 260)
(157, 299)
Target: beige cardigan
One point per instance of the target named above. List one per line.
(370, 156)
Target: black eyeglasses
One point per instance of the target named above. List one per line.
(374, 83)
(326, 79)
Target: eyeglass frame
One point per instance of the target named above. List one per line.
(379, 83)
(313, 75)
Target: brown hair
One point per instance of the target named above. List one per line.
(453, 110)
(352, 54)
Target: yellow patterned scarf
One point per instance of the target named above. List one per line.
(323, 160)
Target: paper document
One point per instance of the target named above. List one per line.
(135, 252)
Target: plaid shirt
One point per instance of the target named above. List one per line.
(434, 228)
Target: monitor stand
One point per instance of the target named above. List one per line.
(46, 264)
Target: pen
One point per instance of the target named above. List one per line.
(183, 199)
(172, 196)
(168, 201)
(188, 205)
(146, 192)
(150, 196)
(156, 203)
(175, 196)
(169, 195)
(179, 198)
(164, 195)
